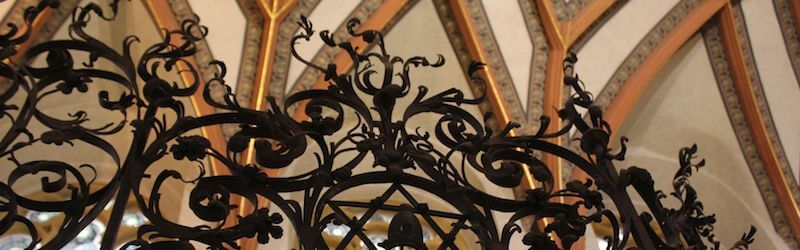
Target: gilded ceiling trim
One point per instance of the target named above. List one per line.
(254, 23)
(275, 13)
(636, 57)
(445, 13)
(732, 60)
(283, 53)
(633, 76)
(761, 100)
(252, 47)
(477, 39)
(325, 55)
(592, 15)
(554, 89)
(655, 49)
(788, 13)
(493, 57)
(466, 41)
(263, 55)
(736, 114)
(457, 41)
(561, 36)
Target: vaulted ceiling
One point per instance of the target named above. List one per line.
(719, 73)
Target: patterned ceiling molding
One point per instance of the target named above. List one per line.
(633, 76)
(462, 54)
(789, 22)
(581, 40)
(725, 81)
(15, 12)
(326, 54)
(470, 36)
(770, 138)
(182, 11)
(538, 65)
(168, 15)
(763, 105)
(566, 10)
(643, 49)
(494, 60)
(254, 23)
(252, 49)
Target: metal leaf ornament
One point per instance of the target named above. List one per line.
(404, 161)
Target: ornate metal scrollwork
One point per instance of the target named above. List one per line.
(434, 162)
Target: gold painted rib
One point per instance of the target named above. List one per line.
(627, 96)
(553, 84)
(476, 50)
(274, 12)
(753, 117)
(637, 83)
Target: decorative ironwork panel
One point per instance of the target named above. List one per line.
(403, 157)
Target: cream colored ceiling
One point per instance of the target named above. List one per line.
(5, 7)
(506, 20)
(606, 50)
(775, 69)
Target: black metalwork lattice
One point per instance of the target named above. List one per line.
(370, 93)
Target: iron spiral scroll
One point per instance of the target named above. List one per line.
(458, 142)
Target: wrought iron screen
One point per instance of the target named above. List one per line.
(404, 157)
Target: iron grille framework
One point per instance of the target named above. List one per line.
(370, 93)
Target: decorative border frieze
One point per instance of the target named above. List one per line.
(643, 49)
(723, 75)
(790, 34)
(566, 10)
(538, 72)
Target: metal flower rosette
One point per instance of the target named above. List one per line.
(399, 157)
